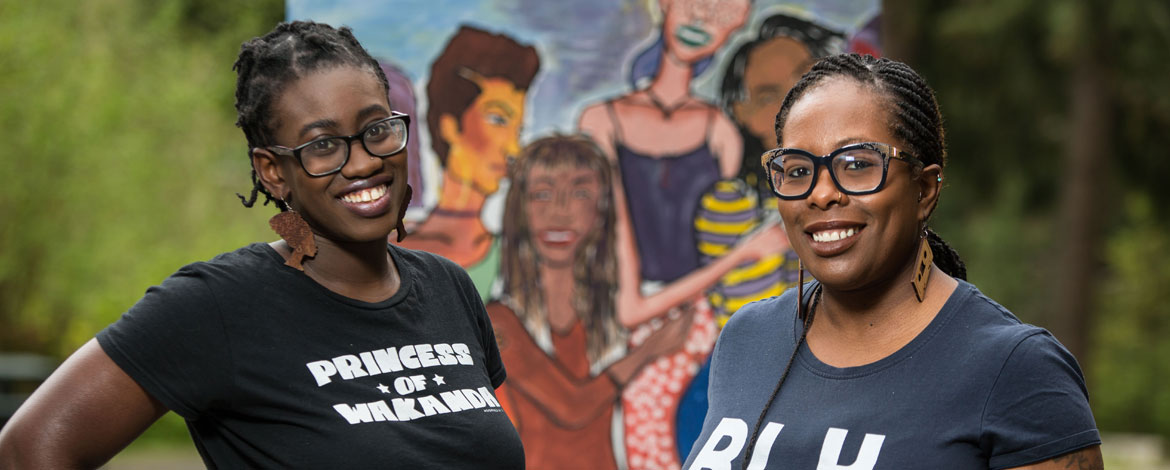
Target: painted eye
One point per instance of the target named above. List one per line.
(497, 119)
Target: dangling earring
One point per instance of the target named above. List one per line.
(922, 267)
(401, 228)
(296, 232)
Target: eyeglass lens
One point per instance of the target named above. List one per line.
(381, 139)
(857, 170)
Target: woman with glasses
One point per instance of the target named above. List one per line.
(889, 359)
(325, 349)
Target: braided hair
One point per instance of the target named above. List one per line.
(916, 121)
(267, 64)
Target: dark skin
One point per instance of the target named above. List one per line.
(89, 409)
(868, 309)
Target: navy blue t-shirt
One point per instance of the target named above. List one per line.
(977, 389)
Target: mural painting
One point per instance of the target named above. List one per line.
(594, 167)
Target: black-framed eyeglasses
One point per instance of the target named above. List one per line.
(327, 155)
(856, 169)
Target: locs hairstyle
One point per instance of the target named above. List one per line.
(267, 64)
(915, 119)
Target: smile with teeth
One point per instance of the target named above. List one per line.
(834, 235)
(557, 236)
(365, 195)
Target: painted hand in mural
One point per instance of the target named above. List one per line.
(768, 239)
(666, 339)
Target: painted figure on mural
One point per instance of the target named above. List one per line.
(475, 95)
(670, 146)
(556, 321)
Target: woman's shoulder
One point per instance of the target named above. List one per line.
(984, 325)
(251, 260)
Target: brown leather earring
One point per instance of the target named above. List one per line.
(401, 227)
(296, 232)
(922, 268)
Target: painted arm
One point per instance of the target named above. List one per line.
(727, 145)
(85, 412)
(568, 400)
(1088, 458)
(632, 307)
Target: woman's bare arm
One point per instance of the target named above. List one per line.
(1088, 458)
(727, 145)
(82, 415)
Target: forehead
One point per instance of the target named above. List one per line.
(563, 171)
(498, 92)
(837, 112)
(337, 93)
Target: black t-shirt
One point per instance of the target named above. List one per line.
(976, 389)
(272, 370)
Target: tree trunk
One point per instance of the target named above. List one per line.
(900, 30)
(1086, 188)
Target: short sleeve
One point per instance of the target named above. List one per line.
(487, 337)
(172, 342)
(1038, 408)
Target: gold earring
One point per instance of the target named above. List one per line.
(296, 232)
(922, 268)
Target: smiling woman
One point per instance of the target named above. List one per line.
(344, 319)
(890, 359)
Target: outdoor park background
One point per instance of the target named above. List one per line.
(122, 162)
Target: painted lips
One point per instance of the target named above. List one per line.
(557, 237)
(692, 36)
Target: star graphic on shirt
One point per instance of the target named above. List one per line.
(383, 388)
(438, 380)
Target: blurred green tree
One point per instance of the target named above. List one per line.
(121, 157)
(1055, 111)
(120, 152)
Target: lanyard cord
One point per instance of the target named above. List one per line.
(807, 317)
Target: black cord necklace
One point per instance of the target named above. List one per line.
(667, 111)
(807, 319)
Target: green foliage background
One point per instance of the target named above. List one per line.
(121, 164)
(121, 157)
